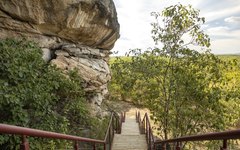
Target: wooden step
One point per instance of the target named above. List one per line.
(130, 138)
(131, 142)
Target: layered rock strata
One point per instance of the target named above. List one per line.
(72, 34)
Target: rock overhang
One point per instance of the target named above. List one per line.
(89, 22)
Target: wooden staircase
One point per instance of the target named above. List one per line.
(130, 138)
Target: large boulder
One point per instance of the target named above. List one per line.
(72, 34)
(89, 22)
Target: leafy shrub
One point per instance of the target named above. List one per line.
(36, 94)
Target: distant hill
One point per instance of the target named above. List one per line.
(236, 54)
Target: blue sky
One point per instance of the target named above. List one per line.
(222, 23)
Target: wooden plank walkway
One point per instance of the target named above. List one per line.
(130, 138)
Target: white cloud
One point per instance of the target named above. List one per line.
(225, 46)
(134, 18)
(135, 29)
(218, 9)
(217, 14)
(224, 32)
(232, 19)
(224, 40)
(218, 29)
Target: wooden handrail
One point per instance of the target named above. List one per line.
(16, 130)
(226, 135)
(10, 129)
(122, 119)
(155, 144)
(109, 126)
(145, 127)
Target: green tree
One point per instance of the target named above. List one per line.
(180, 85)
(189, 80)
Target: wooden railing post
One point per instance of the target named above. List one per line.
(120, 126)
(24, 145)
(164, 146)
(149, 137)
(76, 145)
(116, 124)
(109, 138)
(94, 146)
(113, 130)
(121, 117)
(144, 126)
(224, 147)
(136, 116)
(105, 147)
(177, 146)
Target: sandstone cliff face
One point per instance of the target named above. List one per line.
(72, 34)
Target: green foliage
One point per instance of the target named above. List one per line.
(183, 88)
(231, 90)
(37, 95)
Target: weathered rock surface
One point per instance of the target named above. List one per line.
(72, 34)
(91, 66)
(89, 22)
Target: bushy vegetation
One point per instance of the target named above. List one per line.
(187, 91)
(231, 90)
(36, 94)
